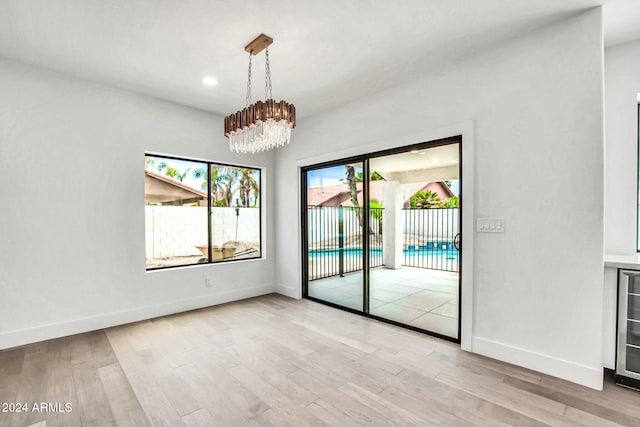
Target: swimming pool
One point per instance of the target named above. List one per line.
(434, 256)
(411, 251)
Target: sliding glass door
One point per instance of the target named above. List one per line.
(381, 236)
(334, 226)
(414, 208)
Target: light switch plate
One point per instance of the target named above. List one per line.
(490, 225)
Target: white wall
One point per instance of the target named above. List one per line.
(174, 230)
(536, 109)
(622, 85)
(73, 235)
(178, 230)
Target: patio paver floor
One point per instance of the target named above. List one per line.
(426, 299)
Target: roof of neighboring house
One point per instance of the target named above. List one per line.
(339, 195)
(164, 189)
(317, 196)
(438, 187)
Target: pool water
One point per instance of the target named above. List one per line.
(411, 251)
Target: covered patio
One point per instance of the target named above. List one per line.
(411, 241)
(419, 297)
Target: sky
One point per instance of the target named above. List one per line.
(327, 177)
(183, 166)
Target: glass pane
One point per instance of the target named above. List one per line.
(175, 212)
(633, 332)
(414, 223)
(633, 309)
(334, 234)
(633, 359)
(235, 213)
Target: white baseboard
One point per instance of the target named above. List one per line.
(61, 329)
(288, 291)
(581, 374)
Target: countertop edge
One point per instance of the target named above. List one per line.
(622, 261)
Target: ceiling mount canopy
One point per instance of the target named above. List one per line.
(258, 44)
(261, 125)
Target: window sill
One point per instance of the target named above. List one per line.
(208, 264)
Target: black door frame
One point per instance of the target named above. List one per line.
(364, 159)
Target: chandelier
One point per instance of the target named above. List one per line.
(261, 125)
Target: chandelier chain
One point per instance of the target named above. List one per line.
(248, 99)
(267, 76)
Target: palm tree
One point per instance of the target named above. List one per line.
(201, 173)
(172, 172)
(256, 192)
(376, 212)
(216, 179)
(223, 180)
(228, 179)
(352, 182)
(426, 200)
(373, 176)
(248, 184)
(452, 202)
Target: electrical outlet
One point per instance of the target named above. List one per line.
(207, 283)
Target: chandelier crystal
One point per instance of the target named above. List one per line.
(262, 125)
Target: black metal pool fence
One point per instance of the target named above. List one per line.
(334, 236)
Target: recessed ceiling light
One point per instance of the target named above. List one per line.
(209, 81)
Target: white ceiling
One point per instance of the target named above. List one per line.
(325, 53)
(425, 165)
(429, 158)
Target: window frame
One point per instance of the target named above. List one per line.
(209, 164)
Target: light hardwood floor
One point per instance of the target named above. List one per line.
(274, 361)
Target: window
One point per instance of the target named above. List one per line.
(200, 212)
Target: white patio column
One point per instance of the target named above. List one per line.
(392, 224)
